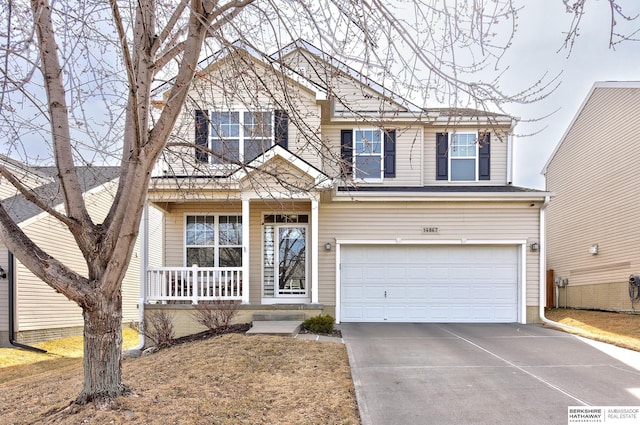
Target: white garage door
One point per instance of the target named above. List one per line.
(429, 283)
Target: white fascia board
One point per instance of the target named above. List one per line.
(382, 116)
(434, 197)
(474, 121)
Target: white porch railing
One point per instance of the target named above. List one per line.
(194, 284)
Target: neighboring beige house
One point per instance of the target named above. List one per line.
(593, 225)
(38, 312)
(351, 201)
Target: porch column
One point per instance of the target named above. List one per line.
(245, 250)
(315, 244)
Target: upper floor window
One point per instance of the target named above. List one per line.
(368, 154)
(238, 136)
(367, 158)
(463, 157)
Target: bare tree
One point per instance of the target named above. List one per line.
(77, 87)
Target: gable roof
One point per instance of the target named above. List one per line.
(305, 46)
(320, 179)
(435, 115)
(240, 45)
(89, 177)
(597, 85)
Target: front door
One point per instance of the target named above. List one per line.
(284, 256)
(291, 261)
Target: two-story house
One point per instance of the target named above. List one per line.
(312, 187)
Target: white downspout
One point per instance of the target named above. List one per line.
(314, 252)
(144, 264)
(509, 158)
(543, 270)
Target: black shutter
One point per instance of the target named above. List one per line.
(484, 156)
(442, 156)
(389, 153)
(281, 128)
(346, 152)
(202, 135)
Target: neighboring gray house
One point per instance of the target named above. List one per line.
(593, 222)
(35, 311)
(363, 206)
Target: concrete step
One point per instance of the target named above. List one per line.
(279, 316)
(275, 327)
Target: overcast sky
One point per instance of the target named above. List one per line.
(540, 35)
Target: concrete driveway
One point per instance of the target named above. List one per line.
(483, 373)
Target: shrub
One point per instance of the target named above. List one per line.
(319, 324)
(159, 328)
(215, 315)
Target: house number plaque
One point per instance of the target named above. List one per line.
(430, 229)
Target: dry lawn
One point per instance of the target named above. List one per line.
(57, 349)
(618, 329)
(229, 379)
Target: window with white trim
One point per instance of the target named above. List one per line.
(367, 154)
(240, 136)
(213, 240)
(463, 155)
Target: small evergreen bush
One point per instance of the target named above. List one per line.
(319, 324)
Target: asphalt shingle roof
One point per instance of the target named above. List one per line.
(20, 209)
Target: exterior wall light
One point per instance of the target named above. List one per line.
(535, 246)
(327, 246)
(593, 249)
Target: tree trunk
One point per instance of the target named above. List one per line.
(103, 352)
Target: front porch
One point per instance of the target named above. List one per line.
(258, 252)
(250, 237)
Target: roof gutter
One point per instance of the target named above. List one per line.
(543, 271)
(12, 307)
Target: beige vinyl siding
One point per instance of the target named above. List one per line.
(348, 95)
(275, 178)
(405, 220)
(4, 291)
(28, 178)
(408, 153)
(498, 162)
(6, 189)
(223, 89)
(596, 180)
(38, 305)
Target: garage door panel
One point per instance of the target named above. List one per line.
(429, 283)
